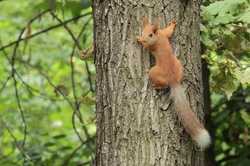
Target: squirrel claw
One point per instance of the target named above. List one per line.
(172, 23)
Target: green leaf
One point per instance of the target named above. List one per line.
(206, 40)
(245, 16)
(229, 88)
(222, 7)
(220, 117)
(245, 76)
(223, 18)
(48, 144)
(215, 7)
(60, 136)
(246, 117)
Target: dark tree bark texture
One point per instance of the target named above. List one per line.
(137, 125)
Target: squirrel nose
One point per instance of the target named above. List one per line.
(139, 39)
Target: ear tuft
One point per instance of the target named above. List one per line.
(155, 28)
(156, 24)
(145, 21)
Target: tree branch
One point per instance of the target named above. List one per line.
(78, 46)
(43, 31)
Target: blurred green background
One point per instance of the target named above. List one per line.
(47, 84)
(53, 84)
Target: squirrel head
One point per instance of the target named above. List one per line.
(149, 35)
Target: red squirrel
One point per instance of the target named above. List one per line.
(168, 71)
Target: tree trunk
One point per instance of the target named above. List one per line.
(137, 125)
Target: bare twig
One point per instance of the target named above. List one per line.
(50, 82)
(68, 30)
(31, 89)
(16, 89)
(13, 72)
(66, 162)
(77, 103)
(89, 76)
(44, 30)
(15, 76)
(78, 46)
(20, 148)
(4, 84)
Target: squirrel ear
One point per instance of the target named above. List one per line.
(145, 21)
(155, 28)
(156, 24)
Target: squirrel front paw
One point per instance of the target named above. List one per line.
(172, 23)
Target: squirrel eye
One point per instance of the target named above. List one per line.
(150, 35)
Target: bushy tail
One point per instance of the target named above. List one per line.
(188, 118)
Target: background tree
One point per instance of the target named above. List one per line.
(136, 125)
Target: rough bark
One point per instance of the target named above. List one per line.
(136, 125)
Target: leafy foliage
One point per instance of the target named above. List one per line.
(226, 39)
(49, 118)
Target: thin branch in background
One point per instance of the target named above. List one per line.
(16, 89)
(61, 93)
(8, 78)
(68, 30)
(13, 72)
(33, 90)
(76, 111)
(14, 75)
(39, 70)
(4, 52)
(28, 87)
(4, 84)
(20, 148)
(89, 76)
(77, 103)
(66, 162)
(78, 46)
(44, 31)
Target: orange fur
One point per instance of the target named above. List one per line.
(168, 71)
